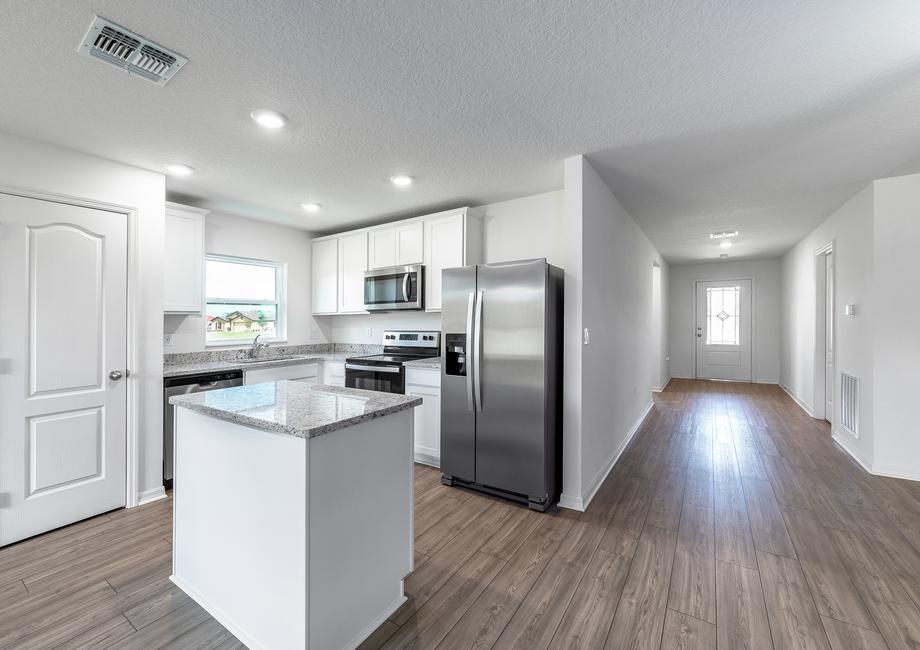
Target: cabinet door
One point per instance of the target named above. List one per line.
(409, 243)
(183, 268)
(381, 248)
(443, 250)
(325, 276)
(427, 425)
(352, 265)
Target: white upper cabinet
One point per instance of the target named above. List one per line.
(409, 249)
(439, 241)
(451, 240)
(381, 248)
(395, 245)
(326, 276)
(352, 265)
(183, 260)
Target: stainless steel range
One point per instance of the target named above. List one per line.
(385, 372)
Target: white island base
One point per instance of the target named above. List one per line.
(294, 542)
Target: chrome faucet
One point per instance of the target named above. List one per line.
(256, 346)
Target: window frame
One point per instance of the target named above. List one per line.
(280, 301)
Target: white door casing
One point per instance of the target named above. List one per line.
(723, 330)
(829, 337)
(63, 286)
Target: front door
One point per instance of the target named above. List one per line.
(63, 284)
(723, 330)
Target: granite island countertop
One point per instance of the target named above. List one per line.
(295, 408)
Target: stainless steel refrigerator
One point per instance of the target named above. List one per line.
(501, 380)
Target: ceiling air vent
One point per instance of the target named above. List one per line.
(131, 52)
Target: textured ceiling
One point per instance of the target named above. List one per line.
(758, 115)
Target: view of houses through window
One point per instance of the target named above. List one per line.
(243, 299)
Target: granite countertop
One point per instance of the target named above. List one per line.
(295, 408)
(194, 368)
(433, 363)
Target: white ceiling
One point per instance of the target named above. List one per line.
(758, 115)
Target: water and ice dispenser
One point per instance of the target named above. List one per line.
(455, 348)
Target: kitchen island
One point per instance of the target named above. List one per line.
(293, 510)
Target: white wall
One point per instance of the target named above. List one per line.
(27, 164)
(231, 235)
(850, 228)
(766, 276)
(525, 228)
(619, 368)
(896, 326)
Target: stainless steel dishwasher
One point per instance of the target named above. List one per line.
(183, 386)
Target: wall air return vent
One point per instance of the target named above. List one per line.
(131, 52)
(849, 403)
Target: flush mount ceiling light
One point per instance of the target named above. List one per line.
(725, 244)
(179, 169)
(724, 234)
(269, 119)
(401, 180)
(311, 207)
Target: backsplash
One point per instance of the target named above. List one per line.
(209, 356)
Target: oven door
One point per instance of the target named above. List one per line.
(385, 379)
(398, 287)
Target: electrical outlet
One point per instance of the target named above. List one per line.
(314, 333)
(587, 336)
(167, 340)
(370, 333)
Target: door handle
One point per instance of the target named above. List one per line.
(471, 299)
(355, 366)
(405, 287)
(477, 354)
(115, 375)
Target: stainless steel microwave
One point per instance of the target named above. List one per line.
(394, 288)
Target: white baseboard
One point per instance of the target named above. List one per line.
(658, 390)
(845, 443)
(427, 458)
(802, 404)
(377, 622)
(221, 618)
(681, 377)
(149, 496)
(896, 472)
(581, 503)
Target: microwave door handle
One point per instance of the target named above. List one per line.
(405, 287)
(469, 341)
(477, 354)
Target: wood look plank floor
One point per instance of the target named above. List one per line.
(731, 520)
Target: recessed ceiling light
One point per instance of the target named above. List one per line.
(179, 169)
(311, 207)
(725, 244)
(401, 180)
(269, 119)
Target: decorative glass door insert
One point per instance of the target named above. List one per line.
(723, 315)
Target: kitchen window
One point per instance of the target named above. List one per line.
(245, 299)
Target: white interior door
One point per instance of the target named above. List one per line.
(63, 285)
(829, 338)
(723, 330)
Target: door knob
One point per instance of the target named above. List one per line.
(116, 375)
(699, 336)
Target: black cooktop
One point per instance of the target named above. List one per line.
(386, 359)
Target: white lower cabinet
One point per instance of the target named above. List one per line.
(426, 383)
(303, 372)
(334, 373)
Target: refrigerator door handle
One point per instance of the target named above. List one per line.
(469, 341)
(477, 354)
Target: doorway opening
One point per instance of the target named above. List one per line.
(825, 335)
(658, 376)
